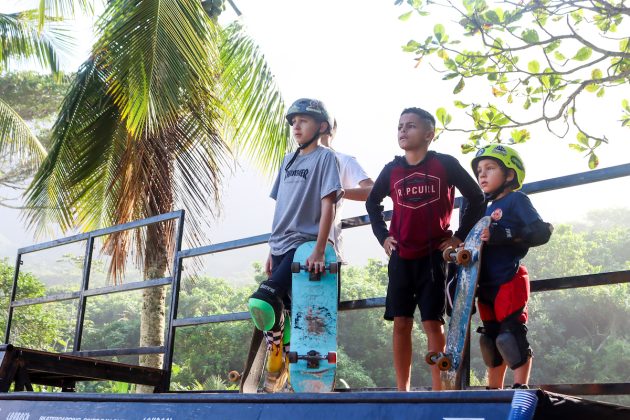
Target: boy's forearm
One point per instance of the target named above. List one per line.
(475, 201)
(473, 211)
(360, 193)
(533, 234)
(325, 223)
(374, 207)
(375, 211)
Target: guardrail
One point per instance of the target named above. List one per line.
(379, 302)
(85, 291)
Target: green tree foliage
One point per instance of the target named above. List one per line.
(26, 37)
(39, 326)
(551, 57)
(35, 98)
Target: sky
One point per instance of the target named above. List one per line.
(348, 53)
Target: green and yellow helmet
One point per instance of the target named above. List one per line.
(506, 156)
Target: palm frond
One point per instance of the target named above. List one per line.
(143, 126)
(97, 174)
(20, 40)
(153, 52)
(85, 145)
(256, 110)
(16, 138)
(67, 9)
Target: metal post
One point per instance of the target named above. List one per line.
(16, 273)
(87, 264)
(175, 283)
(464, 380)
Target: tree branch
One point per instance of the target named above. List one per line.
(595, 47)
(542, 118)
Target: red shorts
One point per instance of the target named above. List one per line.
(509, 298)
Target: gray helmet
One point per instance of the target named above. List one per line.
(312, 107)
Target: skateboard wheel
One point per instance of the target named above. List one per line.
(332, 357)
(446, 254)
(333, 268)
(234, 376)
(464, 256)
(292, 356)
(443, 363)
(430, 357)
(295, 267)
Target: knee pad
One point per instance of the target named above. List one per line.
(265, 309)
(513, 345)
(487, 342)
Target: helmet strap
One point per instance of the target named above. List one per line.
(491, 196)
(301, 147)
(506, 184)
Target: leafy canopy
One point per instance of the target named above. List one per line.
(551, 57)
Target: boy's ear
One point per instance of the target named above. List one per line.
(322, 130)
(510, 175)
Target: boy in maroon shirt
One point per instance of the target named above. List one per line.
(422, 186)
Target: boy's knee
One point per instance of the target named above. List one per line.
(513, 345)
(265, 308)
(487, 342)
(433, 327)
(402, 325)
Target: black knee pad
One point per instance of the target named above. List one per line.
(512, 343)
(487, 343)
(267, 293)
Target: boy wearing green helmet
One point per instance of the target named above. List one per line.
(306, 191)
(503, 289)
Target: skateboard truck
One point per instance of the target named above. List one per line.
(313, 358)
(333, 268)
(442, 360)
(460, 256)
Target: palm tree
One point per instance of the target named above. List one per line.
(25, 38)
(152, 120)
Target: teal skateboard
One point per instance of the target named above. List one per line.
(314, 302)
(468, 260)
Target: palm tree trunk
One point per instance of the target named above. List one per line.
(153, 314)
(158, 248)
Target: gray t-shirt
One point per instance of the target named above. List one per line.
(298, 193)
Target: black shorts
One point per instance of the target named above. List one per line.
(417, 282)
(281, 276)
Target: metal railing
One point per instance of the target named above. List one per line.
(85, 291)
(379, 302)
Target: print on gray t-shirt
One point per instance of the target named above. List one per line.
(298, 193)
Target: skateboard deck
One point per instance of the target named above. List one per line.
(468, 260)
(314, 300)
(254, 364)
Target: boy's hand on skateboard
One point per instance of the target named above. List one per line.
(389, 245)
(268, 265)
(316, 262)
(485, 235)
(453, 242)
